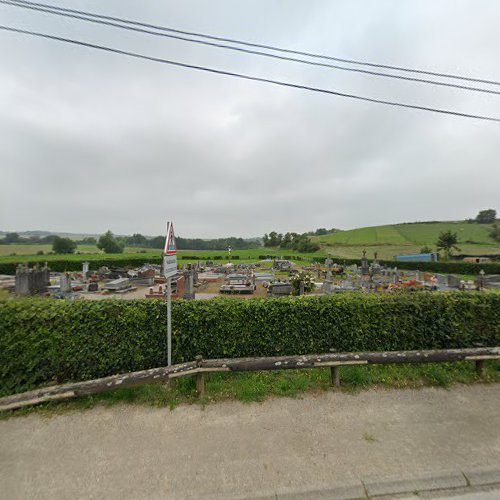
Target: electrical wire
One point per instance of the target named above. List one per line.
(257, 45)
(245, 76)
(254, 52)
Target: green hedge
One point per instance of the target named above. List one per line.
(122, 260)
(63, 265)
(43, 341)
(453, 267)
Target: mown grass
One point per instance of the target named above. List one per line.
(417, 234)
(244, 256)
(259, 386)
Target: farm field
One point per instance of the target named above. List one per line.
(397, 239)
(387, 251)
(245, 256)
(8, 250)
(416, 234)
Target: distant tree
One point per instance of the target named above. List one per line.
(63, 245)
(159, 242)
(426, 249)
(486, 216)
(321, 231)
(274, 239)
(88, 240)
(265, 240)
(109, 243)
(137, 239)
(286, 241)
(447, 241)
(495, 232)
(49, 239)
(12, 238)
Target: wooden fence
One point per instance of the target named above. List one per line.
(201, 367)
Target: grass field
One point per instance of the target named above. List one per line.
(245, 256)
(8, 250)
(387, 241)
(399, 239)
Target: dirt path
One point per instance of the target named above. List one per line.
(243, 450)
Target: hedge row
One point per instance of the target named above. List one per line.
(63, 265)
(43, 341)
(433, 267)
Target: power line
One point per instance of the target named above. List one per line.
(58, 12)
(262, 46)
(246, 77)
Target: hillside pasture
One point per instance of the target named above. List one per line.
(417, 234)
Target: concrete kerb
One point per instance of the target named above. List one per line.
(483, 477)
(444, 481)
(367, 488)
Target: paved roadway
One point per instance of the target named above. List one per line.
(274, 449)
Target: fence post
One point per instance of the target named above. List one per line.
(335, 375)
(480, 368)
(200, 378)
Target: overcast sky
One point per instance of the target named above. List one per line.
(91, 141)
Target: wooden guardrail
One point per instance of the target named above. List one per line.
(200, 367)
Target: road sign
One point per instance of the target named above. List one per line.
(169, 270)
(170, 246)
(170, 253)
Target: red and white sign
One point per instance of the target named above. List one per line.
(170, 253)
(170, 246)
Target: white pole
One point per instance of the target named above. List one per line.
(169, 320)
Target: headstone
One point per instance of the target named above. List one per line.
(31, 281)
(327, 284)
(347, 284)
(365, 268)
(395, 276)
(85, 269)
(189, 293)
(65, 283)
(442, 280)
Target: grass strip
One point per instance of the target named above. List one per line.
(259, 386)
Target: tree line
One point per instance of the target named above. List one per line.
(293, 241)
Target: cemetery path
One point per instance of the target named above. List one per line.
(235, 450)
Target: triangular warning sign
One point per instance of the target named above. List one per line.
(170, 246)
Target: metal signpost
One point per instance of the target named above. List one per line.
(169, 270)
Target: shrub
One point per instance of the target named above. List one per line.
(44, 341)
(63, 245)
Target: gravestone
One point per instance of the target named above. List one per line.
(347, 284)
(65, 283)
(189, 293)
(85, 269)
(365, 268)
(327, 284)
(32, 281)
(395, 276)
(442, 280)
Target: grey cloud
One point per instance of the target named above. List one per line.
(92, 141)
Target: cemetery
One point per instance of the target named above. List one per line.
(264, 278)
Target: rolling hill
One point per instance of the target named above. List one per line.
(395, 239)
